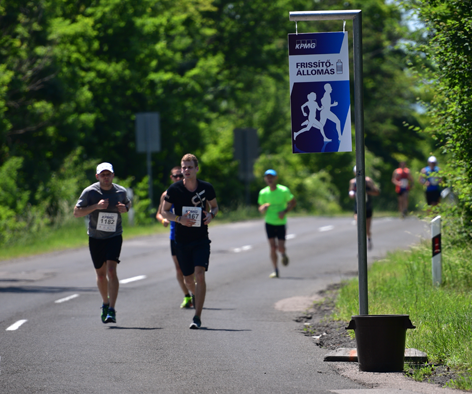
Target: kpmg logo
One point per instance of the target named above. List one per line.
(305, 44)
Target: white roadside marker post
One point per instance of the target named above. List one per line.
(436, 250)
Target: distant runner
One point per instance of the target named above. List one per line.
(429, 177)
(189, 198)
(403, 182)
(104, 202)
(175, 175)
(371, 190)
(275, 201)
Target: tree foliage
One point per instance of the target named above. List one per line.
(448, 51)
(73, 74)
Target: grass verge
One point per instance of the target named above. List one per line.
(71, 235)
(402, 284)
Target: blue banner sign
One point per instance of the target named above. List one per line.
(319, 92)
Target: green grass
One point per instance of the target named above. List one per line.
(402, 284)
(69, 236)
(73, 233)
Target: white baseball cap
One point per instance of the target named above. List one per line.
(104, 167)
(432, 159)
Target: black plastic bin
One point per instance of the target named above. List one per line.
(380, 341)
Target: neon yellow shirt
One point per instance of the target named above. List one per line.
(278, 200)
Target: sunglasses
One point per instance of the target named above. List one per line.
(177, 176)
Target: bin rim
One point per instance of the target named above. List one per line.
(357, 316)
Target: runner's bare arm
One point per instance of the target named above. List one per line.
(422, 178)
(394, 178)
(123, 208)
(184, 220)
(84, 211)
(209, 215)
(263, 207)
(166, 212)
(159, 216)
(290, 205)
(374, 190)
(352, 192)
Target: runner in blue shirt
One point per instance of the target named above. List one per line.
(429, 177)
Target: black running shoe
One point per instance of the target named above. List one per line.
(196, 323)
(111, 316)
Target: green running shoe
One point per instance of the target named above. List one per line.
(186, 303)
(111, 316)
(104, 312)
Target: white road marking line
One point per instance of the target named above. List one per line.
(133, 279)
(66, 298)
(242, 249)
(16, 326)
(384, 219)
(326, 228)
(290, 236)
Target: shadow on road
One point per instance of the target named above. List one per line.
(45, 289)
(134, 328)
(220, 329)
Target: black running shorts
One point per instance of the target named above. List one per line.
(433, 196)
(102, 250)
(275, 231)
(368, 212)
(172, 248)
(193, 254)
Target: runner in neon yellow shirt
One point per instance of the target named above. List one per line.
(275, 201)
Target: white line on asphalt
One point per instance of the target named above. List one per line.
(66, 298)
(384, 219)
(242, 248)
(326, 228)
(16, 326)
(133, 279)
(290, 236)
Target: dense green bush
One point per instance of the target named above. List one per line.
(443, 62)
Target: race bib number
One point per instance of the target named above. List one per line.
(404, 183)
(194, 213)
(107, 221)
(434, 180)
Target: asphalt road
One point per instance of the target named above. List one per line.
(52, 339)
